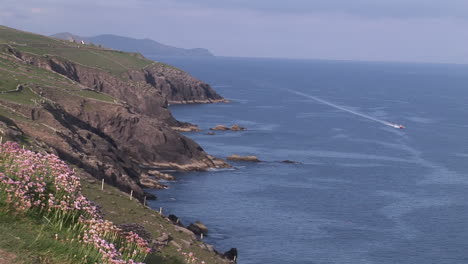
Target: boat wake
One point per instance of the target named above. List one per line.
(345, 109)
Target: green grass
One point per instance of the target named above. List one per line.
(10, 36)
(33, 241)
(118, 208)
(26, 97)
(12, 74)
(115, 62)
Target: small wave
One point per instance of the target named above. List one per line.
(222, 169)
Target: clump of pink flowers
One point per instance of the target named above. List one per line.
(191, 259)
(43, 185)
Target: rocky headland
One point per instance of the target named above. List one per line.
(102, 111)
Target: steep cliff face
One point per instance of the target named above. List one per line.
(116, 140)
(177, 86)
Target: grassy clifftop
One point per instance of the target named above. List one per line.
(92, 56)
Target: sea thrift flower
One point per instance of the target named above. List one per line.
(43, 184)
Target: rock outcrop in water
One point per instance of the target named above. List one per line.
(236, 157)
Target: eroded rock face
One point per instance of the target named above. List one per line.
(118, 141)
(176, 85)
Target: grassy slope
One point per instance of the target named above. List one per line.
(29, 239)
(109, 60)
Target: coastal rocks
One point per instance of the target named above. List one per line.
(231, 254)
(185, 231)
(147, 181)
(189, 128)
(161, 176)
(175, 220)
(236, 157)
(198, 228)
(225, 128)
(220, 128)
(237, 128)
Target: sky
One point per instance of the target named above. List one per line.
(433, 31)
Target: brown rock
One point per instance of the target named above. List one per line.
(220, 128)
(151, 182)
(163, 238)
(175, 244)
(185, 230)
(190, 128)
(237, 128)
(161, 176)
(236, 157)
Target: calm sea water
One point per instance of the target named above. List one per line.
(364, 193)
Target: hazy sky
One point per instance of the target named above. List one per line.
(388, 30)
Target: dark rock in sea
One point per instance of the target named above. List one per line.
(237, 128)
(290, 162)
(236, 157)
(211, 133)
(198, 228)
(220, 128)
(231, 254)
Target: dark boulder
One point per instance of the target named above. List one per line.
(231, 254)
(290, 162)
(174, 219)
(198, 228)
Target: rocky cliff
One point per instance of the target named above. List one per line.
(114, 124)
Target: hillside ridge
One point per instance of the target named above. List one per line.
(146, 46)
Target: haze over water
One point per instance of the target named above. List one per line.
(364, 193)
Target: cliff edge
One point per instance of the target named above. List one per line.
(102, 110)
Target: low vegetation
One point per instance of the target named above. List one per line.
(42, 188)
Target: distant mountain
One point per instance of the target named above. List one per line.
(147, 47)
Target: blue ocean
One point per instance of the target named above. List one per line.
(362, 192)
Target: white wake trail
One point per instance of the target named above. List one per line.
(343, 108)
